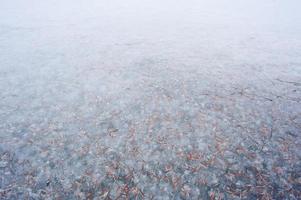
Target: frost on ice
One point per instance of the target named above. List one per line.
(150, 99)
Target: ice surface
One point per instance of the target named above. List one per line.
(183, 99)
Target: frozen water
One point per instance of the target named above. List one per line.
(149, 99)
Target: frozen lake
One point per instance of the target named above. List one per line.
(141, 99)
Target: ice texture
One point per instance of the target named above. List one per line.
(150, 99)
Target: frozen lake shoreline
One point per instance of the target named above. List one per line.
(150, 99)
